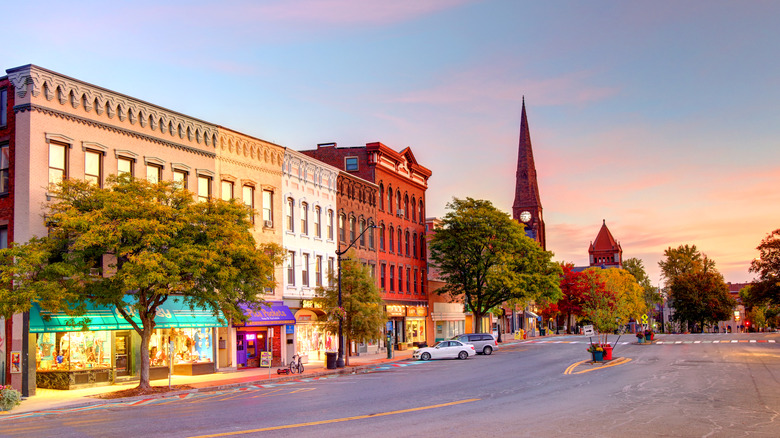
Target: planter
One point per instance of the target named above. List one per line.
(598, 356)
(607, 352)
(640, 339)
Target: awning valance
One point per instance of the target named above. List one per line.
(171, 314)
(274, 314)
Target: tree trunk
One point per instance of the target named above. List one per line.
(146, 333)
(349, 350)
(477, 322)
(568, 323)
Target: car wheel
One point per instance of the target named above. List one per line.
(463, 355)
(488, 350)
(425, 356)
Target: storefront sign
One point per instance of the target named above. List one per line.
(416, 311)
(275, 314)
(396, 310)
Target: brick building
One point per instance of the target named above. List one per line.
(605, 251)
(400, 218)
(8, 340)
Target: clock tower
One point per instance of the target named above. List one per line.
(527, 208)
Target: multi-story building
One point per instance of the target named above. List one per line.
(309, 195)
(83, 131)
(400, 219)
(605, 251)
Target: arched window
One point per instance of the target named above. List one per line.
(406, 206)
(382, 237)
(414, 210)
(400, 241)
(304, 219)
(352, 225)
(397, 200)
(363, 235)
(390, 199)
(342, 228)
(421, 213)
(414, 245)
(407, 244)
(391, 238)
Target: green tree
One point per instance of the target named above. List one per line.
(599, 304)
(682, 260)
(701, 297)
(636, 268)
(361, 303)
(766, 288)
(484, 256)
(134, 245)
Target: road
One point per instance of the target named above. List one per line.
(688, 386)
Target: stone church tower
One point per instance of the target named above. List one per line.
(527, 208)
(605, 251)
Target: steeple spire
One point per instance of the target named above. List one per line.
(527, 206)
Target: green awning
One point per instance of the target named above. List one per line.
(171, 314)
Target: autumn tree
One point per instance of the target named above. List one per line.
(573, 286)
(134, 245)
(361, 303)
(681, 260)
(485, 256)
(629, 294)
(701, 297)
(599, 304)
(766, 288)
(636, 268)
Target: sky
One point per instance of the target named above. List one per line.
(660, 117)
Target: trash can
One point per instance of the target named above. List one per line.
(542, 332)
(330, 357)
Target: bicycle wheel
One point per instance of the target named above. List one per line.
(300, 368)
(292, 367)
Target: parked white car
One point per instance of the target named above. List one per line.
(445, 350)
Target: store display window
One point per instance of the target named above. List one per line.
(73, 350)
(190, 345)
(415, 330)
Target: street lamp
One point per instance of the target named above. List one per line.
(340, 358)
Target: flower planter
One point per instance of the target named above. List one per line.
(598, 356)
(607, 352)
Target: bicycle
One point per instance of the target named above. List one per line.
(296, 366)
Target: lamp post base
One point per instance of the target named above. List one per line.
(340, 362)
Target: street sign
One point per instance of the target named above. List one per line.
(588, 330)
(644, 319)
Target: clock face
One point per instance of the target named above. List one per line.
(525, 216)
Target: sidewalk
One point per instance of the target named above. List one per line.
(48, 399)
(52, 399)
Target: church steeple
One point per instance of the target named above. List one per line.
(527, 207)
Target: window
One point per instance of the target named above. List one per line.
(318, 271)
(352, 232)
(400, 237)
(58, 162)
(93, 167)
(390, 200)
(414, 245)
(397, 200)
(304, 219)
(226, 191)
(400, 279)
(371, 238)
(4, 107)
(392, 278)
(291, 268)
(422, 212)
(305, 270)
(382, 276)
(408, 274)
(423, 279)
(248, 196)
(153, 173)
(125, 165)
(416, 278)
(331, 272)
(3, 237)
(381, 197)
(391, 237)
(290, 223)
(204, 188)
(406, 243)
(382, 237)
(406, 207)
(414, 210)
(268, 208)
(342, 228)
(180, 178)
(318, 222)
(362, 234)
(351, 164)
(330, 224)
(5, 166)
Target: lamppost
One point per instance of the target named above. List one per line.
(340, 358)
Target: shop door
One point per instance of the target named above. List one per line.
(121, 364)
(240, 349)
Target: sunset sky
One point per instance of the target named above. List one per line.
(662, 118)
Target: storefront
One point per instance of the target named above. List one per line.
(105, 348)
(408, 323)
(448, 320)
(268, 329)
(311, 340)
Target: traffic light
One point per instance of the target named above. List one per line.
(747, 323)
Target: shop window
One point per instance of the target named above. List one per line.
(73, 351)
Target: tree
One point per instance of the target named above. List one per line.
(636, 268)
(767, 287)
(484, 256)
(701, 297)
(361, 303)
(573, 286)
(134, 245)
(599, 304)
(681, 260)
(628, 293)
